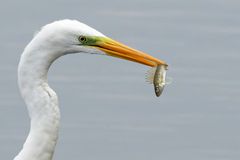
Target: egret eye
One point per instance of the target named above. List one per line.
(82, 39)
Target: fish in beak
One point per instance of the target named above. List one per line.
(119, 50)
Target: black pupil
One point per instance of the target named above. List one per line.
(82, 38)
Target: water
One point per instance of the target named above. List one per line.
(108, 111)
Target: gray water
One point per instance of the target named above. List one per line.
(108, 110)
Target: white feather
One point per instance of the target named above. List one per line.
(52, 41)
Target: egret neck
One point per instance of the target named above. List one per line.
(52, 41)
(41, 101)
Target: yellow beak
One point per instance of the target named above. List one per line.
(119, 50)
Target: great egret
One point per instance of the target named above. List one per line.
(52, 41)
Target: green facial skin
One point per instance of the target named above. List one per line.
(92, 40)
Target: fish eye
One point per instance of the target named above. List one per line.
(82, 38)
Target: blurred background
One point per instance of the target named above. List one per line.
(108, 110)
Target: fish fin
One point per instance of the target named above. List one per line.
(169, 80)
(149, 76)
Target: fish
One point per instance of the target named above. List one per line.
(157, 77)
(159, 80)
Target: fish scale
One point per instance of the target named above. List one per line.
(159, 80)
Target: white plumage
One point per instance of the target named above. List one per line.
(52, 41)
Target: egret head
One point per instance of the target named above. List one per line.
(71, 36)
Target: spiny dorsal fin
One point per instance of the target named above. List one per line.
(149, 76)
